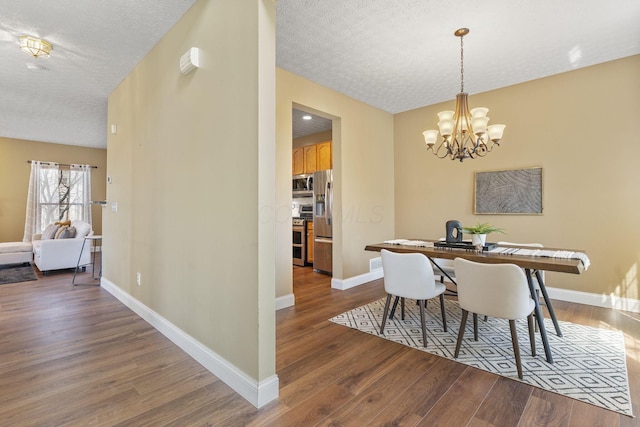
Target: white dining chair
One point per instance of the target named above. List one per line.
(496, 290)
(409, 275)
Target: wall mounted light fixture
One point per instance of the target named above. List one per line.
(190, 60)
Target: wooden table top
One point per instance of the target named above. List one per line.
(562, 265)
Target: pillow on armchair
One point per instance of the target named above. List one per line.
(49, 232)
(82, 228)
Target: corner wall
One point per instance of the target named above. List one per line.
(193, 168)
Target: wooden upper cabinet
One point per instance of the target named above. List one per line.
(324, 155)
(311, 158)
(298, 161)
(310, 165)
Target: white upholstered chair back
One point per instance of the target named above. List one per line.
(408, 275)
(496, 290)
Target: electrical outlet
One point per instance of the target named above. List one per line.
(138, 277)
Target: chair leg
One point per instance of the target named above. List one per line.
(475, 326)
(402, 308)
(444, 313)
(516, 348)
(393, 309)
(532, 337)
(463, 324)
(384, 315)
(424, 328)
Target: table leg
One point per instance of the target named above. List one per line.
(539, 318)
(453, 293)
(73, 281)
(547, 301)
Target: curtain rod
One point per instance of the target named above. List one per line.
(63, 164)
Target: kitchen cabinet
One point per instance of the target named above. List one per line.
(323, 155)
(309, 242)
(298, 161)
(310, 159)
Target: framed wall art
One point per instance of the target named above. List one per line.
(512, 191)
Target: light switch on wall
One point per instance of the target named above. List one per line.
(114, 207)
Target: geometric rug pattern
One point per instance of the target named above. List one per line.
(589, 363)
(16, 273)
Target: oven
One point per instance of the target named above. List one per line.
(299, 241)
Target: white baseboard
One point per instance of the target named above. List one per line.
(598, 300)
(285, 301)
(257, 393)
(351, 282)
(607, 301)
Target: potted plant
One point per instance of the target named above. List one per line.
(479, 232)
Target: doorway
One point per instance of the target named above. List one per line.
(312, 143)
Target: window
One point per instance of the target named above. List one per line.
(57, 193)
(61, 196)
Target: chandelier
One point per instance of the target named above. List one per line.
(465, 134)
(35, 47)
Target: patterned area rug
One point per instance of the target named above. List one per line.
(16, 273)
(589, 363)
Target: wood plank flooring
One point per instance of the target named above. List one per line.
(75, 356)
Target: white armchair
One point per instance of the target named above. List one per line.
(56, 254)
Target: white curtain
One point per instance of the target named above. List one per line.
(40, 191)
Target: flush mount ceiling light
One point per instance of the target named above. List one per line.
(465, 134)
(35, 47)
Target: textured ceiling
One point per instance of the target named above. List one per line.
(96, 44)
(399, 55)
(393, 54)
(302, 127)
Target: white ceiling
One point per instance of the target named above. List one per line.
(393, 54)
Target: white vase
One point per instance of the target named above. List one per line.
(478, 239)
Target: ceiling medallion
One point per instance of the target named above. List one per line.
(35, 47)
(465, 134)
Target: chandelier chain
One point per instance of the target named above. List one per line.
(461, 64)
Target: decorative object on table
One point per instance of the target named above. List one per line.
(465, 134)
(590, 363)
(454, 231)
(15, 273)
(513, 191)
(479, 232)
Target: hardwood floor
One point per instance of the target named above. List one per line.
(75, 356)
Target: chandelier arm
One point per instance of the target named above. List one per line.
(437, 150)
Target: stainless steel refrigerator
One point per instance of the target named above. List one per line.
(322, 221)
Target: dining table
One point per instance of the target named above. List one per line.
(533, 261)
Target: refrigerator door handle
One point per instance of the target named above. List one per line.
(323, 240)
(329, 203)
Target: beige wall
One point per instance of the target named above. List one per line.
(581, 128)
(193, 166)
(14, 179)
(362, 151)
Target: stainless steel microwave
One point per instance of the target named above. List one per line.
(303, 185)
